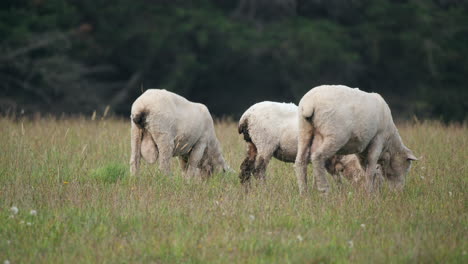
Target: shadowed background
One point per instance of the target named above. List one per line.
(77, 56)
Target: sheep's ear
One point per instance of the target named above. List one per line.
(410, 156)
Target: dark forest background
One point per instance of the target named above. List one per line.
(77, 56)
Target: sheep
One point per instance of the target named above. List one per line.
(271, 130)
(349, 167)
(336, 119)
(165, 125)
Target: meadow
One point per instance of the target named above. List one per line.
(74, 174)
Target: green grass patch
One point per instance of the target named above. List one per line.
(110, 173)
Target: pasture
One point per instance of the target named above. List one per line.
(74, 173)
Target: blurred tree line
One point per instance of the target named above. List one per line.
(76, 56)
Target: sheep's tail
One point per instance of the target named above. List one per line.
(139, 118)
(135, 156)
(307, 113)
(306, 136)
(243, 128)
(308, 126)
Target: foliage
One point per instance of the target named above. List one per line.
(80, 56)
(45, 165)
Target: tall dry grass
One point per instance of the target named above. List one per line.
(88, 210)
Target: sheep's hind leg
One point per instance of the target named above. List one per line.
(248, 165)
(165, 144)
(195, 157)
(321, 152)
(261, 163)
(305, 137)
(149, 151)
(183, 161)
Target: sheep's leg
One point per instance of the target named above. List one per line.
(135, 156)
(149, 150)
(322, 150)
(261, 163)
(373, 153)
(225, 167)
(165, 144)
(378, 178)
(306, 134)
(196, 155)
(206, 166)
(338, 177)
(248, 165)
(183, 164)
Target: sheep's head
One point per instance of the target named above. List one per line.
(397, 165)
(334, 165)
(213, 158)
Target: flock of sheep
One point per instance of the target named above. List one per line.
(345, 131)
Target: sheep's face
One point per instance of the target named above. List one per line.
(397, 166)
(213, 158)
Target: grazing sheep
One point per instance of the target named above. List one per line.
(271, 130)
(349, 167)
(166, 125)
(335, 119)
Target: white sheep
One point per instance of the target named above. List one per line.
(271, 130)
(338, 120)
(165, 125)
(349, 167)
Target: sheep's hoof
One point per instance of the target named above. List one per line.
(370, 188)
(324, 191)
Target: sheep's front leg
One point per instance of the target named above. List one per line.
(373, 153)
(165, 144)
(135, 156)
(378, 178)
(196, 155)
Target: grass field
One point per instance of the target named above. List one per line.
(74, 173)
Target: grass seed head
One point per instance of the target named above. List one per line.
(14, 209)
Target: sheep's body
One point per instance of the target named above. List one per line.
(271, 130)
(166, 125)
(275, 129)
(335, 119)
(266, 127)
